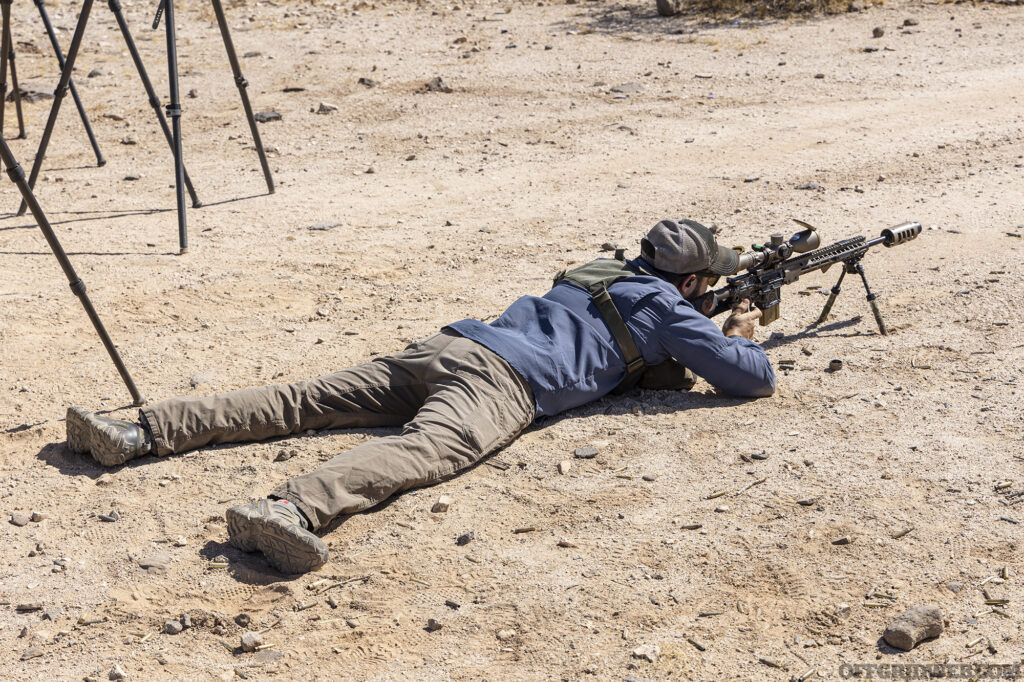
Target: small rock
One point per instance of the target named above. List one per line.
(37, 517)
(506, 634)
(464, 539)
(32, 652)
(809, 185)
(910, 22)
(843, 610)
(845, 540)
(565, 466)
(25, 632)
(109, 518)
(442, 504)
(669, 8)
(95, 73)
(877, 32)
(179, 541)
(193, 93)
(650, 478)
(752, 178)
(436, 85)
(129, 140)
(585, 453)
(116, 673)
(172, 627)
(20, 519)
(284, 455)
(132, 177)
(647, 652)
(913, 626)
(352, 623)
(323, 226)
(251, 641)
(243, 620)
(433, 625)
(155, 563)
(28, 607)
(608, 246)
(267, 116)
(326, 108)
(722, 508)
(807, 501)
(368, 82)
(186, 621)
(627, 88)
(955, 587)
(251, 54)
(858, 6)
(819, 75)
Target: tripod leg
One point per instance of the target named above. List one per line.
(5, 48)
(154, 101)
(77, 285)
(14, 84)
(242, 85)
(174, 113)
(831, 299)
(58, 96)
(100, 161)
(871, 300)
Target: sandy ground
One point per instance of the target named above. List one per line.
(477, 196)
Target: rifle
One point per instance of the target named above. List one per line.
(772, 265)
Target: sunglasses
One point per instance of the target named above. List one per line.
(712, 277)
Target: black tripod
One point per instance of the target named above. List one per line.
(8, 58)
(17, 175)
(172, 133)
(853, 266)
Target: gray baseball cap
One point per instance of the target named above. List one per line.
(685, 246)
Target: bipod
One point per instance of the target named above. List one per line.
(853, 267)
(17, 175)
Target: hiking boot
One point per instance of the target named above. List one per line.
(277, 529)
(110, 441)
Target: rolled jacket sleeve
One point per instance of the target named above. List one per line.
(731, 363)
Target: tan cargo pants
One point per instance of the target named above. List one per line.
(458, 401)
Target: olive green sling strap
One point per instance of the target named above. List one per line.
(595, 277)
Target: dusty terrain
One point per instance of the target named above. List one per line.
(534, 160)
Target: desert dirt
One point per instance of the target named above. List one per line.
(567, 126)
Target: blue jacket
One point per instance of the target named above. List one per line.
(560, 344)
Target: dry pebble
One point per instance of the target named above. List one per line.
(913, 626)
(251, 641)
(442, 504)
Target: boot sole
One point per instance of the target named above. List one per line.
(287, 547)
(85, 434)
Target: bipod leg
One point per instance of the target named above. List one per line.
(871, 300)
(154, 101)
(242, 84)
(17, 174)
(174, 113)
(58, 96)
(100, 161)
(831, 298)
